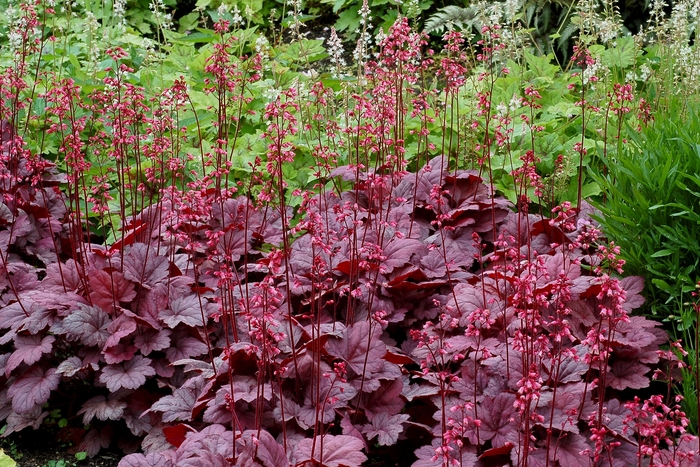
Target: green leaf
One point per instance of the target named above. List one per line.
(662, 253)
(74, 61)
(541, 66)
(188, 22)
(590, 189)
(348, 20)
(82, 455)
(199, 37)
(620, 56)
(663, 285)
(6, 461)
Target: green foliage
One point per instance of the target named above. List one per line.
(452, 17)
(652, 211)
(383, 13)
(10, 446)
(6, 461)
(652, 208)
(59, 463)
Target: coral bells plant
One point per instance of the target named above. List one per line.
(519, 342)
(417, 318)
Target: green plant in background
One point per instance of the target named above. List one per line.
(385, 12)
(652, 211)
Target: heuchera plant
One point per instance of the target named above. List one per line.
(415, 310)
(520, 342)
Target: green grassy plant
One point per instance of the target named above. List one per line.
(652, 211)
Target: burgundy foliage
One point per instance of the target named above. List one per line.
(492, 338)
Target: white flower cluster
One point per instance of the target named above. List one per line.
(294, 12)
(642, 75)
(93, 28)
(597, 69)
(608, 29)
(119, 13)
(17, 25)
(164, 20)
(336, 51)
(262, 48)
(237, 19)
(364, 41)
(511, 8)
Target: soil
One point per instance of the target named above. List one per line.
(30, 448)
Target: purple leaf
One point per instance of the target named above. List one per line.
(351, 430)
(110, 289)
(119, 353)
(155, 442)
(143, 265)
(12, 315)
(5, 405)
(386, 428)
(427, 457)
(233, 243)
(43, 315)
(569, 451)
(62, 278)
(331, 395)
(87, 324)
(628, 374)
(179, 405)
(130, 374)
(433, 264)
(29, 351)
(459, 246)
(151, 303)
(633, 286)
(385, 399)
(570, 370)
(213, 443)
(102, 408)
(149, 460)
(411, 391)
(151, 340)
(398, 252)
(361, 349)
(187, 310)
(24, 277)
(246, 388)
(118, 329)
(636, 333)
(95, 440)
(32, 388)
(185, 346)
(338, 451)
(567, 400)
(71, 366)
(4, 357)
(496, 415)
(264, 447)
(19, 421)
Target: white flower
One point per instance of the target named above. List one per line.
(237, 18)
